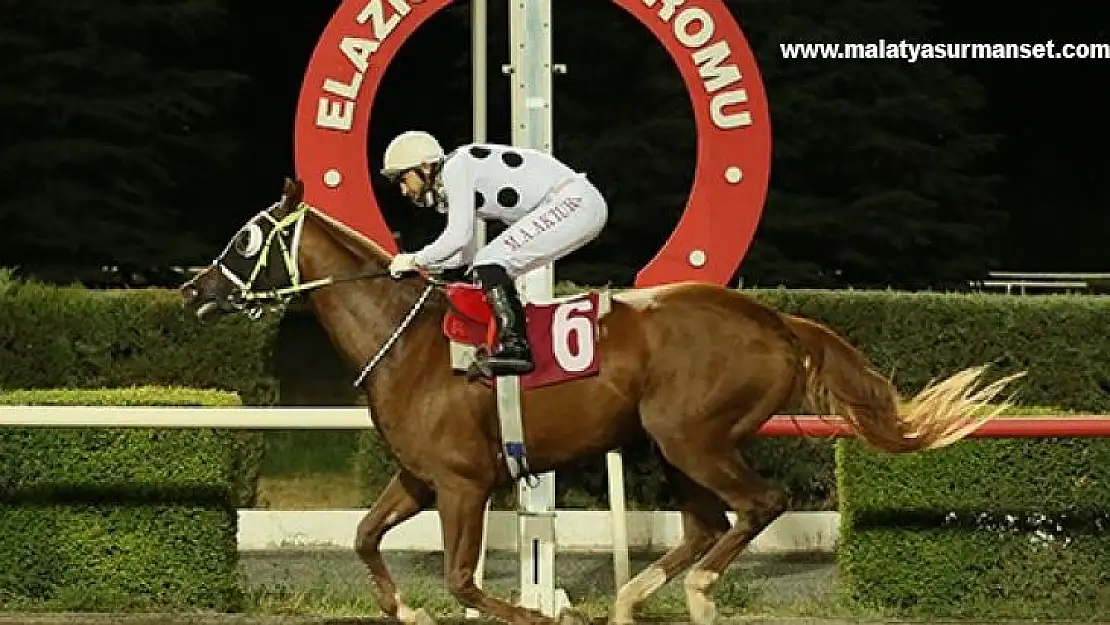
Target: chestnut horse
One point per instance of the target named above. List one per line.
(698, 368)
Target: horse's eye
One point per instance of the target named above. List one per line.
(249, 240)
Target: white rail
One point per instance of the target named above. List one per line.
(234, 418)
(1021, 281)
(577, 531)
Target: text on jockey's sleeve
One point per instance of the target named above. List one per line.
(551, 209)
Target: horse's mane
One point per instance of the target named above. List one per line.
(359, 244)
(366, 249)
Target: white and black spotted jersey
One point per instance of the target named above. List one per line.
(490, 181)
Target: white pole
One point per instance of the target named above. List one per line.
(618, 519)
(531, 76)
(478, 77)
(479, 68)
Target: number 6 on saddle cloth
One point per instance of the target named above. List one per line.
(563, 333)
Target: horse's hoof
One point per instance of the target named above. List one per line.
(570, 616)
(423, 618)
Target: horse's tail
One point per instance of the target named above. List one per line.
(840, 380)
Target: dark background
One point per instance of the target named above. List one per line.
(141, 134)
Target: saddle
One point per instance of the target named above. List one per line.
(563, 333)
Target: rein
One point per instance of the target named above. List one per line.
(401, 327)
(284, 294)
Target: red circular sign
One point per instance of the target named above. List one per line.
(717, 65)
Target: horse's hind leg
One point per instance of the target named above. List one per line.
(704, 448)
(712, 460)
(401, 499)
(703, 522)
(756, 506)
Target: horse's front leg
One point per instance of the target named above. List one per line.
(401, 499)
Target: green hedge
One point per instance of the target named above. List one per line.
(1006, 528)
(1060, 340)
(106, 519)
(71, 337)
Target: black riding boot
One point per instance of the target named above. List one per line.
(513, 355)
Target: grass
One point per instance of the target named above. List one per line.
(331, 582)
(330, 491)
(309, 470)
(306, 452)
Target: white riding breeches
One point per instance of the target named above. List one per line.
(571, 215)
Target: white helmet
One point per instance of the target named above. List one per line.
(410, 149)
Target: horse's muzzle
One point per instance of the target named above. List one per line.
(189, 293)
(192, 300)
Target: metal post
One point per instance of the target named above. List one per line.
(479, 68)
(531, 75)
(614, 464)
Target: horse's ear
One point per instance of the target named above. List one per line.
(294, 190)
(293, 194)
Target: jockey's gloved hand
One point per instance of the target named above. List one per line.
(402, 264)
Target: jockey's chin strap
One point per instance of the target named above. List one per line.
(431, 196)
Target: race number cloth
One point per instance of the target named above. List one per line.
(563, 333)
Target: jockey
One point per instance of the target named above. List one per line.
(550, 209)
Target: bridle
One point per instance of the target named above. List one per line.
(254, 302)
